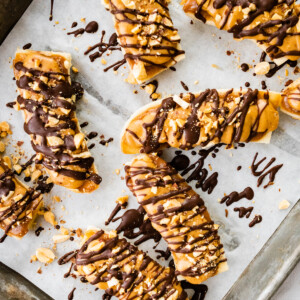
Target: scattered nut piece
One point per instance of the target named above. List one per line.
(2, 147)
(60, 238)
(74, 69)
(284, 204)
(50, 218)
(45, 255)
(262, 68)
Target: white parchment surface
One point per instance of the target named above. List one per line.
(107, 104)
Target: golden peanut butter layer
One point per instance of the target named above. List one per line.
(124, 271)
(146, 35)
(272, 24)
(210, 117)
(19, 205)
(290, 103)
(178, 213)
(48, 100)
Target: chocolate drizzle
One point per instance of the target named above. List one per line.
(257, 219)
(199, 290)
(244, 211)
(235, 196)
(119, 253)
(200, 174)
(264, 172)
(91, 27)
(71, 295)
(51, 10)
(131, 220)
(102, 47)
(59, 95)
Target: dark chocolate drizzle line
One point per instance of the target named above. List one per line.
(71, 295)
(200, 174)
(118, 251)
(51, 10)
(274, 37)
(133, 225)
(91, 27)
(199, 290)
(102, 47)
(235, 196)
(244, 211)
(264, 172)
(154, 178)
(39, 230)
(257, 219)
(55, 158)
(191, 129)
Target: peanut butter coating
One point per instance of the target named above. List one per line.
(146, 35)
(209, 117)
(48, 101)
(273, 25)
(118, 267)
(19, 205)
(290, 103)
(179, 215)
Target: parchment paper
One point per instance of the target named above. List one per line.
(108, 102)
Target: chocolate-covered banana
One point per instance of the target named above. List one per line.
(122, 270)
(178, 213)
(146, 35)
(48, 101)
(19, 205)
(210, 117)
(290, 103)
(274, 25)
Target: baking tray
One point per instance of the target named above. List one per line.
(279, 262)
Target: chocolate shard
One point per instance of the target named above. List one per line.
(48, 101)
(178, 213)
(124, 271)
(206, 118)
(146, 34)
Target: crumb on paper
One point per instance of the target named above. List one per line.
(50, 218)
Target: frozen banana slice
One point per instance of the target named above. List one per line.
(122, 270)
(290, 103)
(48, 101)
(273, 25)
(178, 213)
(146, 34)
(210, 117)
(19, 205)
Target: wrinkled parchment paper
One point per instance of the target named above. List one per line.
(107, 104)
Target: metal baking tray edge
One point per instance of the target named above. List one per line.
(279, 256)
